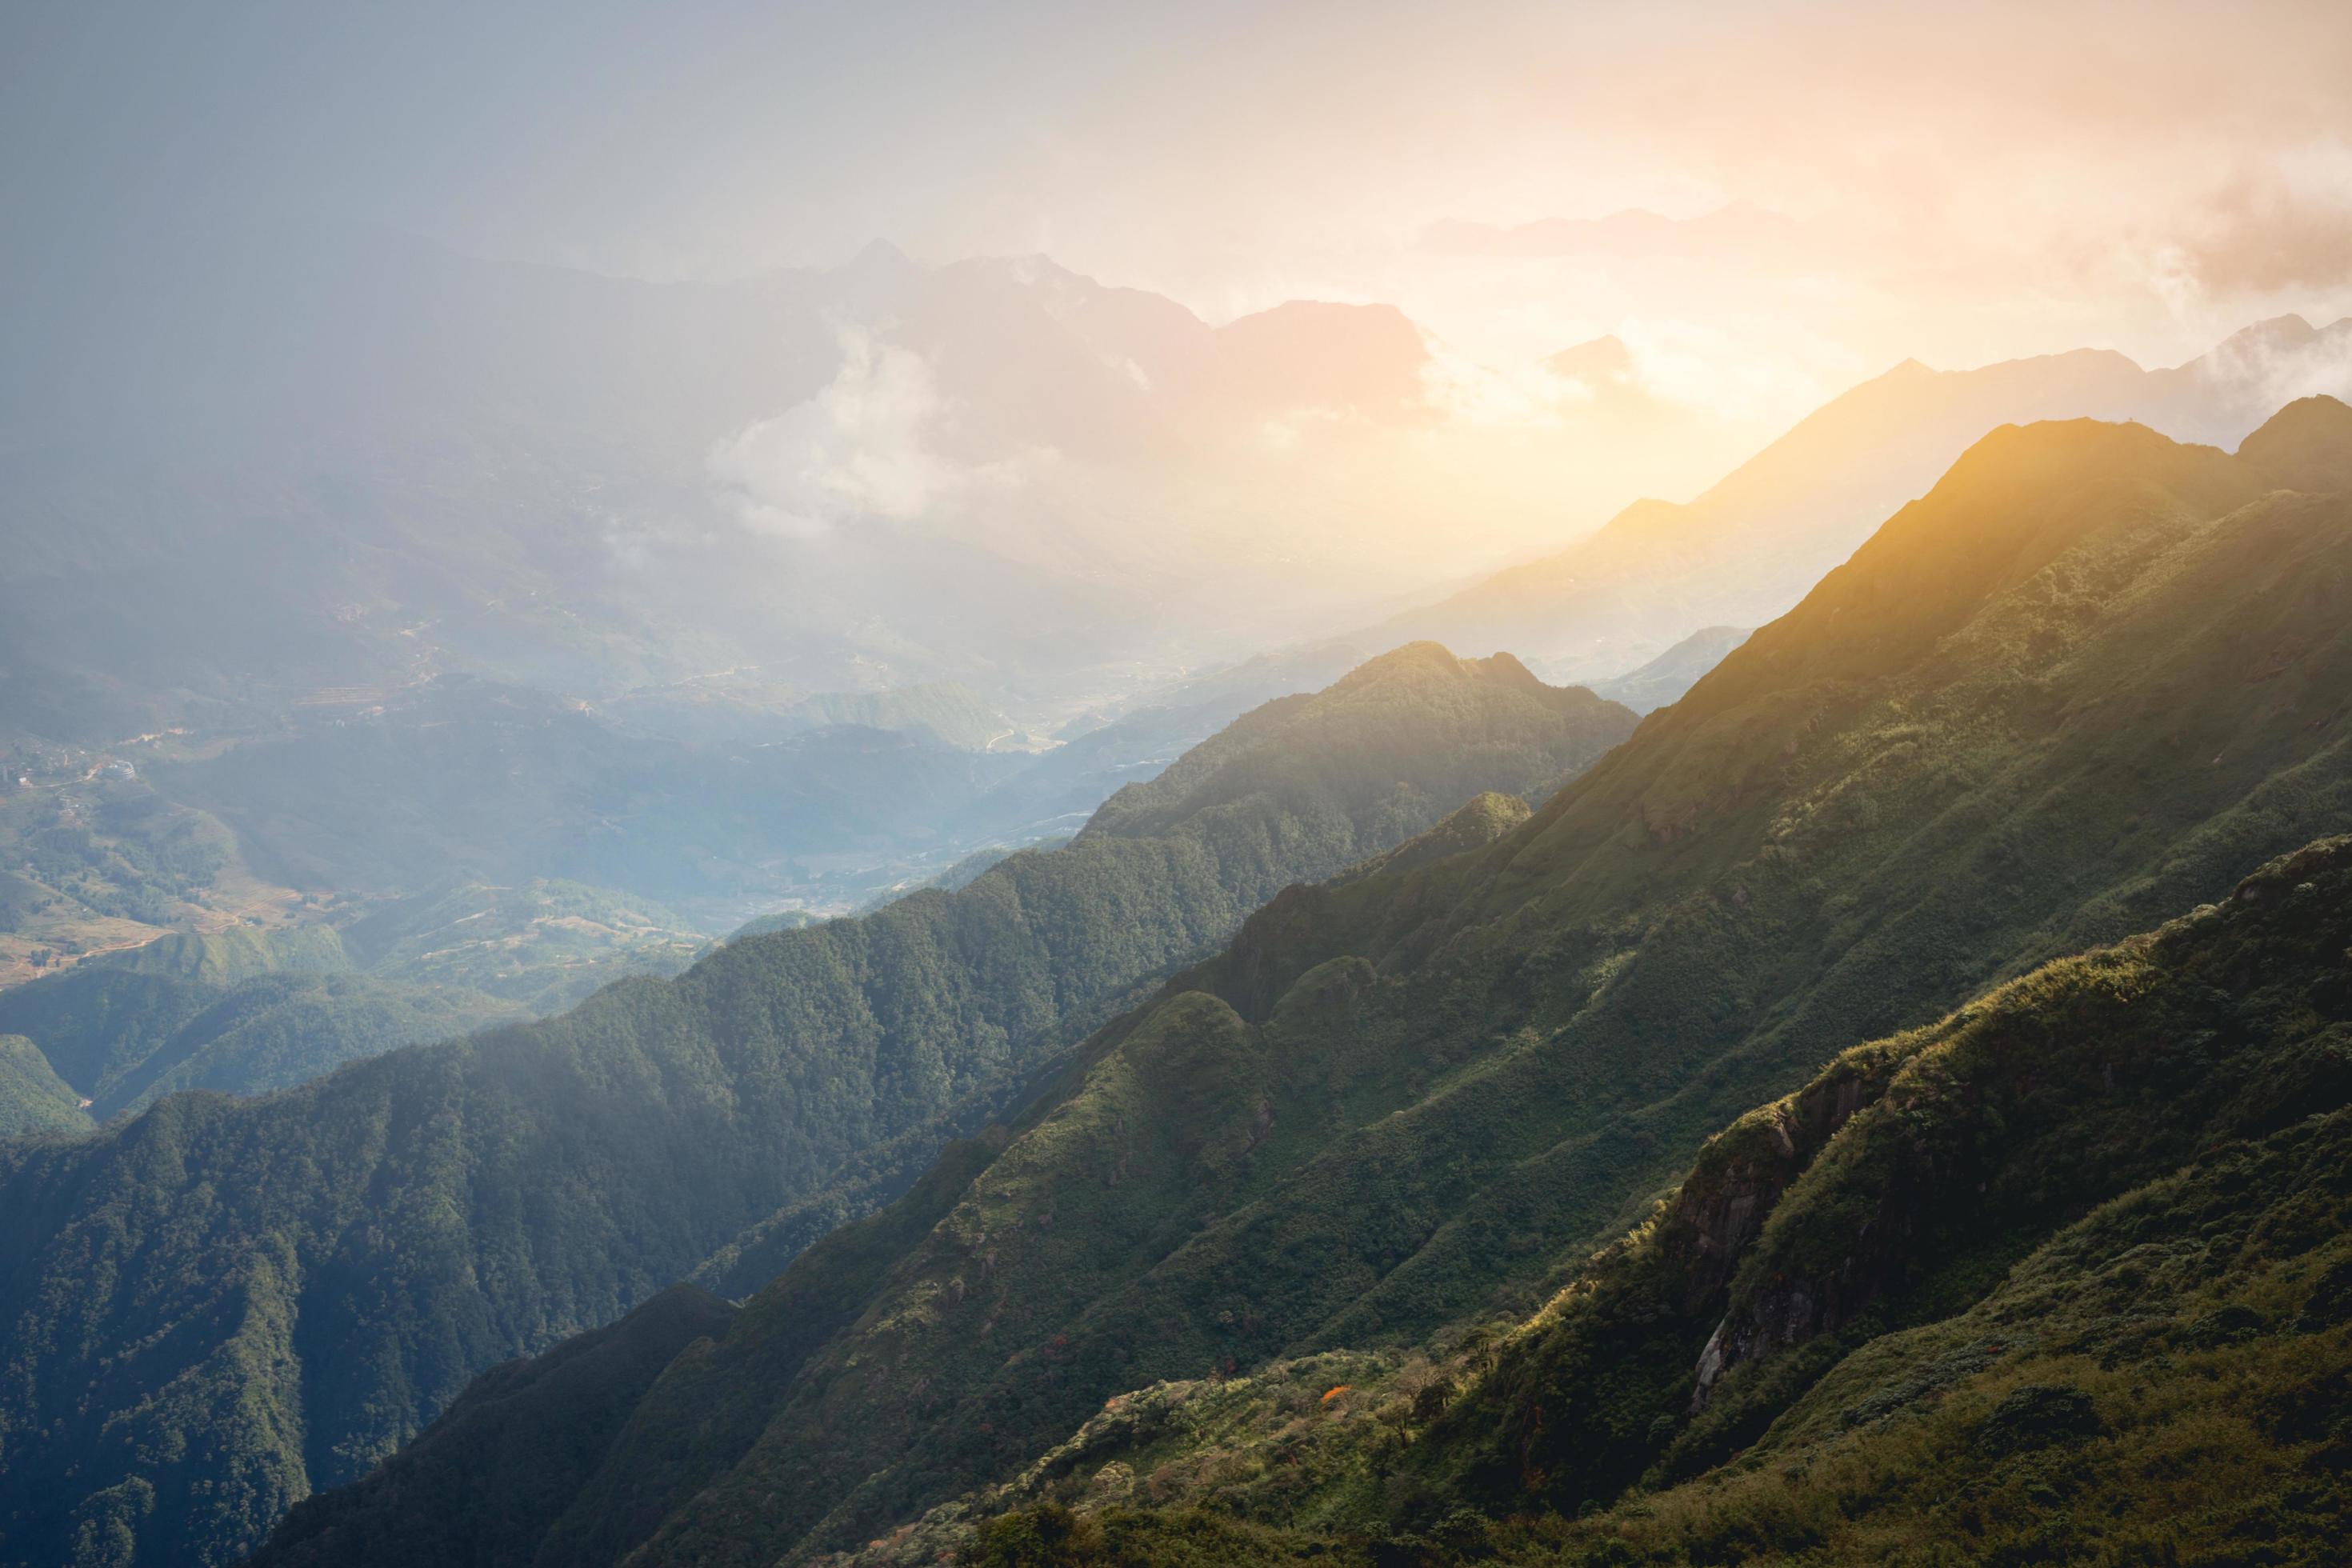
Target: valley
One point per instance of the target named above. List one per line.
(789, 785)
(1385, 1119)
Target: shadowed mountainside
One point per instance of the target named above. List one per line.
(2077, 688)
(312, 1276)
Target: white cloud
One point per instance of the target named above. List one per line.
(861, 448)
(2266, 370)
(1526, 396)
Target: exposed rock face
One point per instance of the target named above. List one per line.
(1947, 1152)
(1742, 1173)
(1731, 1191)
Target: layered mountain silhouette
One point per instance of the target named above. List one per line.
(414, 570)
(1229, 1288)
(382, 461)
(311, 1276)
(1748, 548)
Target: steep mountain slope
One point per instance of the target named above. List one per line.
(1751, 545)
(1059, 791)
(2081, 685)
(1950, 1206)
(530, 1431)
(312, 1276)
(1166, 868)
(2065, 1275)
(33, 1097)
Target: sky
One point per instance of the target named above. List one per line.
(1957, 184)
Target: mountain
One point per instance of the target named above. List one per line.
(463, 780)
(1751, 545)
(33, 1097)
(1103, 751)
(542, 945)
(683, 807)
(227, 958)
(248, 1009)
(1666, 678)
(315, 1274)
(241, 1010)
(2078, 687)
(362, 462)
(1940, 1230)
(2065, 1275)
(359, 559)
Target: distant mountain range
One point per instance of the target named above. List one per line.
(378, 462)
(412, 569)
(1751, 546)
(1297, 1258)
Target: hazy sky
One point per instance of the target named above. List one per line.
(1959, 183)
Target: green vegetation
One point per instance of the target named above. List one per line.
(295, 1285)
(242, 1010)
(95, 862)
(33, 1097)
(543, 945)
(2079, 688)
(527, 1433)
(2065, 1276)
(250, 1009)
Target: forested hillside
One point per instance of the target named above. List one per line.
(33, 1097)
(2079, 688)
(2065, 1275)
(308, 1277)
(242, 1010)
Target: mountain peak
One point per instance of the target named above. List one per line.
(2305, 446)
(1423, 666)
(1424, 654)
(881, 254)
(2270, 336)
(1604, 358)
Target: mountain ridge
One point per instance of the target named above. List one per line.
(1748, 548)
(502, 1189)
(2079, 685)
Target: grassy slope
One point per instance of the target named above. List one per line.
(2065, 1276)
(2081, 684)
(224, 1304)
